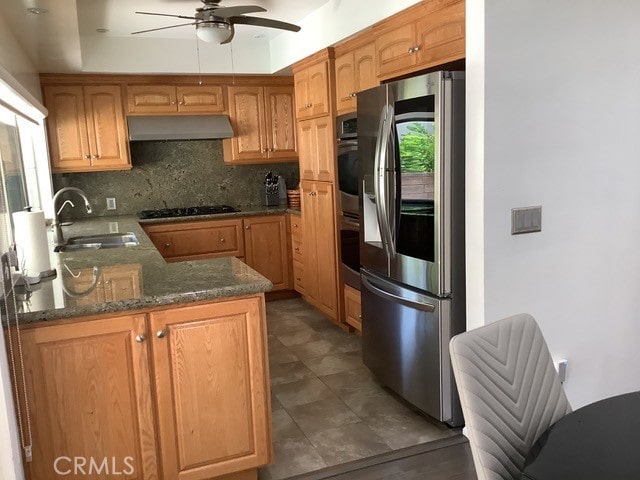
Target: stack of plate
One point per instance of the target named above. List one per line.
(293, 197)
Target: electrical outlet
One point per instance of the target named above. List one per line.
(111, 203)
(113, 227)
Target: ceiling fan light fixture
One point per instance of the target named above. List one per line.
(213, 32)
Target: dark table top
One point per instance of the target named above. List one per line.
(599, 441)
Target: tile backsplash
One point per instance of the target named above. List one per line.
(173, 174)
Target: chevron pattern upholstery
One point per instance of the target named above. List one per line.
(509, 391)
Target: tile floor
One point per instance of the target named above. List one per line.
(327, 407)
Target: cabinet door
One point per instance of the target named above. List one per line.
(67, 128)
(442, 35)
(393, 49)
(326, 249)
(265, 244)
(301, 85)
(365, 69)
(89, 396)
(212, 389)
(200, 99)
(352, 309)
(345, 84)
(106, 127)
(306, 150)
(246, 109)
(309, 204)
(183, 241)
(319, 89)
(280, 123)
(151, 99)
(323, 142)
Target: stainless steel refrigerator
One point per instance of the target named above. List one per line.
(411, 200)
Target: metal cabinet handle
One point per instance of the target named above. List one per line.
(94, 156)
(246, 227)
(173, 103)
(161, 333)
(167, 245)
(416, 48)
(181, 103)
(222, 240)
(140, 338)
(354, 94)
(295, 225)
(297, 249)
(87, 156)
(298, 278)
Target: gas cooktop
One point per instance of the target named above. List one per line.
(187, 211)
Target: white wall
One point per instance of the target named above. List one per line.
(334, 21)
(16, 61)
(561, 128)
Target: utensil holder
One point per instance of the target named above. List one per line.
(271, 199)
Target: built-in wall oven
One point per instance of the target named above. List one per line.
(346, 128)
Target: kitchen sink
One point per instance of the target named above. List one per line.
(94, 242)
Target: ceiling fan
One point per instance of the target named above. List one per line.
(215, 24)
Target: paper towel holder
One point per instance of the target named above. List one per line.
(31, 277)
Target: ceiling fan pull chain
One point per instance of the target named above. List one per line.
(233, 69)
(198, 54)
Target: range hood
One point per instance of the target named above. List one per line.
(179, 127)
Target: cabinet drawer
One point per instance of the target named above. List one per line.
(298, 277)
(353, 311)
(192, 240)
(296, 226)
(151, 99)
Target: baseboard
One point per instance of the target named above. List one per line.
(280, 295)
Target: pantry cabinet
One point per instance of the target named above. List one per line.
(86, 128)
(92, 393)
(320, 253)
(355, 71)
(171, 99)
(312, 89)
(317, 158)
(263, 121)
(88, 387)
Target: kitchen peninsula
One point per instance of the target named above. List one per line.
(159, 368)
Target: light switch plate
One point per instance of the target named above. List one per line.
(111, 203)
(526, 220)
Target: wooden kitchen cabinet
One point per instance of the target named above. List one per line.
(312, 89)
(405, 44)
(88, 386)
(171, 99)
(265, 241)
(316, 147)
(352, 308)
(263, 121)
(106, 284)
(320, 252)
(297, 252)
(181, 241)
(86, 128)
(355, 71)
(212, 388)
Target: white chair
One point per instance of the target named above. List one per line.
(509, 391)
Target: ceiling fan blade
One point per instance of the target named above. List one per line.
(226, 12)
(231, 35)
(264, 22)
(166, 15)
(163, 28)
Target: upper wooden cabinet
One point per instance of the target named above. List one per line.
(312, 91)
(316, 145)
(169, 99)
(88, 387)
(212, 388)
(263, 121)
(265, 241)
(86, 128)
(355, 71)
(437, 36)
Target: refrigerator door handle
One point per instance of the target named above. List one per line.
(379, 179)
(418, 302)
(382, 179)
(390, 177)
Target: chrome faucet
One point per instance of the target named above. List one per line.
(57, 226)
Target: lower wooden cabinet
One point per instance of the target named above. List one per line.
(261, 242)
(107, 284)
(320, 246)
(297, 252)
(352, 308)
(92, 394)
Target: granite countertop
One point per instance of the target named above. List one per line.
(146, 279)
(245, 212)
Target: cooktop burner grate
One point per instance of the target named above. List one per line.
(187, 211)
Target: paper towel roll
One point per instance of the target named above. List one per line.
(30, 233)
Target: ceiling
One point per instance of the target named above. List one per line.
(66, 39)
